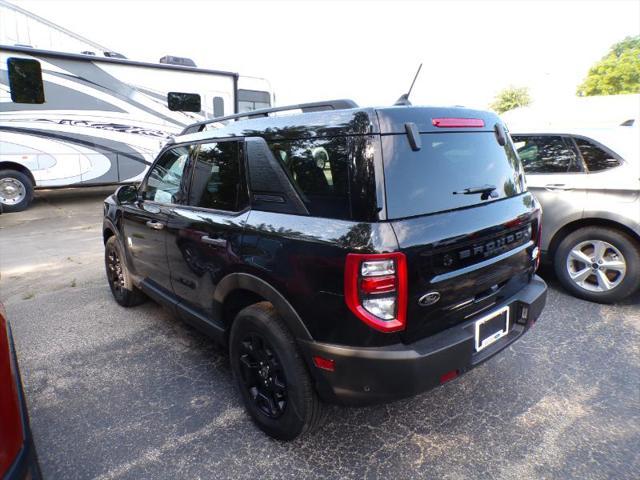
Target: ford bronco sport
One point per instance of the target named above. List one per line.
(347, 255)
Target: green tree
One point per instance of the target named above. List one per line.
(618, 72)
(510, 98)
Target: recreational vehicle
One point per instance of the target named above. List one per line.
(73, 120)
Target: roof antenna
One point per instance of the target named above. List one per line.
(404, 98)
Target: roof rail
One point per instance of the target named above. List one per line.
(341, 104)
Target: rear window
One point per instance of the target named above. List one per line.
(424, 181)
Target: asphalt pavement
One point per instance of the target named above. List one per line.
(136, 394)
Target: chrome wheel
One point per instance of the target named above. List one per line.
(596, 266)
(12, 191)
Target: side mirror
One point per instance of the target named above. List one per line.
(126, 194)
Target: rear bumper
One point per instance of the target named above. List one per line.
(374, 375)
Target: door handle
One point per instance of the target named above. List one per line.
(556, 187)
(155, 225)
(218, 242)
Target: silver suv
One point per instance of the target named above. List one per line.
(588, 182)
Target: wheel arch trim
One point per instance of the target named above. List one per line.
(585, 222)
(246, 281)
(107, 225)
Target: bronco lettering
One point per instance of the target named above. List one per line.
(497, 246)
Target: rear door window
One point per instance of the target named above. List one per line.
(217, 181)
(319, 170)
(434, 178)
(596, 158)
(546, 154)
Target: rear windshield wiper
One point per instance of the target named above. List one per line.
(486, 191)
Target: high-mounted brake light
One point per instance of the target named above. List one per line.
(375, 289)
(449, 122)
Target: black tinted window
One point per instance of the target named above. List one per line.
(595, 157)
(25, 80)
(163, 182)
(217, 182)
(424, 181)
(545, 154)
(184, 102)
(319, 169)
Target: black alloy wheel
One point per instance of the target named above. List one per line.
(122, 287)
(263, 376)
(115, 274)
(271, 375)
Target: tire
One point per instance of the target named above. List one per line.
(259, 335)
(620, 257)
(122, 287)
(16, 191)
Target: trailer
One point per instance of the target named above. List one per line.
(76, 120)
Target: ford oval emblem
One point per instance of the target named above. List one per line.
(429, 299)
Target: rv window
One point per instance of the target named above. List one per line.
(183, 102)
(249, 100)
(245, 106)
(218, 107)
(25, 80)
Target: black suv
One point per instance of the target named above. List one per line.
(347, 255)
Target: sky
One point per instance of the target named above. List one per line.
(366, 50)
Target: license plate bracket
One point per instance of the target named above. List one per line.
(491, 328)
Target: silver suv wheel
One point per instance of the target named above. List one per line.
(12, 191)
(596, 266)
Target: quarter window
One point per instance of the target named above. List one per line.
(595, 157)
(25, 80)
(545, 154)
(217, 181)
(319, 170)
(163, 184)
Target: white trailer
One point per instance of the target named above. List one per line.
(72, 120)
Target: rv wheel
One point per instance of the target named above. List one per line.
(16, 190)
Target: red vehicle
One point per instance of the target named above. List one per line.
(17, 452)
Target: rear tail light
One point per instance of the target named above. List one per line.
(375, 289)
(457, 122)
